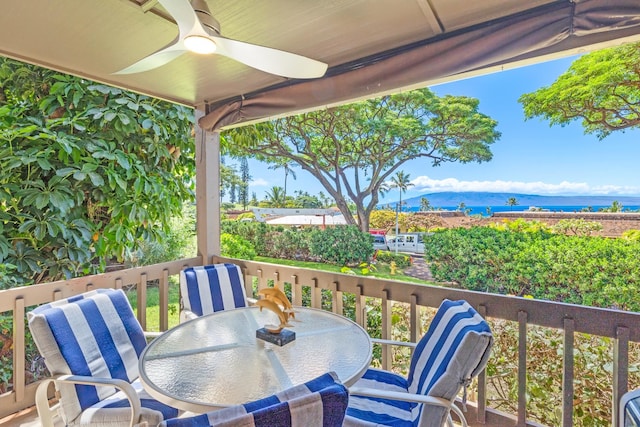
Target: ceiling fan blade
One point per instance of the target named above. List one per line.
(270, 60)
(182, 12)
(156, 59)
(188, 24)
(191, 28)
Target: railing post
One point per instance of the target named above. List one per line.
(522, 368)
(142, 300)
(414, 320)
(261, 281)
(567, 373)
(620, 369)
(336, 300)
(361, 316)
(19, 343)
(316, 294)
(163, 300)
(386, 328)
(296, 291)
(482, 382)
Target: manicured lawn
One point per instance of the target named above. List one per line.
(153, 305)
(382, 271)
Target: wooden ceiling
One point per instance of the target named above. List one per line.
(96, 38)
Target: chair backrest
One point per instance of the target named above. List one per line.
(454, 350)
(94, 334)
(321, 402)
(210, 288)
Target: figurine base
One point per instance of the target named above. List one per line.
(283, 337)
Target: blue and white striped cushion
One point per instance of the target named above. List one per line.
(318, 403)
(94, 334)
(211, 288)
(455, 349)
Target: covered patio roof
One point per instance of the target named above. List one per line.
(372, 47)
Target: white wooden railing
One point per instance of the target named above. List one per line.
(623, 328)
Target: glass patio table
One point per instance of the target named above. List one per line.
(216, 360)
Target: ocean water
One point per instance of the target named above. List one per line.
(482, 210)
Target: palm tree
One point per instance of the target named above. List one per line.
(275, 197)
(425, 205)
(288, 169)
(401, 182)
(512, 201)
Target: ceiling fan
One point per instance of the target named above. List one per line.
(199, 32)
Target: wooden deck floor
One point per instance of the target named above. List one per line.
(26, 418)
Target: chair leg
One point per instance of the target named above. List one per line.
(459, 414)
(45, 412)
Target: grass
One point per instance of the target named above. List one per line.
(382, 270)
(153, 305)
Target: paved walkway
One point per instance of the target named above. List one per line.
(419, 269)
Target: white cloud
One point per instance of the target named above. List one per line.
(259, 182)
(424, 184)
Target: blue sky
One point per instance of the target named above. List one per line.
(531, 157)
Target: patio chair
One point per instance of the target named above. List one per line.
(320, 402)
(91, 344)
(453, 351)
(210, 288)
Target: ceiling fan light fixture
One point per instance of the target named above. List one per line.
(200, 44)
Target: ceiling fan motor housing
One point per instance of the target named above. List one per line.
(204, 15)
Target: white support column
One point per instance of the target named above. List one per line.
(207, 191)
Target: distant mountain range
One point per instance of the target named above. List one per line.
(471, 198)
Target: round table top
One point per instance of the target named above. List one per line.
(216, 360)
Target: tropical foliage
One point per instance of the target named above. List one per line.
(600, 89)
(87, 172)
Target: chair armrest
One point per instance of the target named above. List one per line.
(392, 342)
(409, 397)
(42, 401)
(186, 315)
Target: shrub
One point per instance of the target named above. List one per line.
(290, 244)
(576, 227)
(177, 243)
(591, 271)
(236, 247)
(246, 215)
(631, 235)
(343, 245)
(384, 219)
(401, 260)
(254, 232)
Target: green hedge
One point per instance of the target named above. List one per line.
(593, 271)
(342, 245)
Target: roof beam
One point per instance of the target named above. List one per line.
(431, 16)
